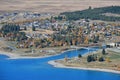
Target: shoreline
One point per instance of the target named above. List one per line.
(17, 56)
(55, 64)
(59, 65)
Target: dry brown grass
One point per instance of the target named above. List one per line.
(54, 5)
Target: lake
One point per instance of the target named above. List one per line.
(39, 69)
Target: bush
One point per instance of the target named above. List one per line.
(33, 28)
(89, 58)
(103, 52)
(79, 55)
(101, 59)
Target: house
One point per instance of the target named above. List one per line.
(109, 45)
(117, 44)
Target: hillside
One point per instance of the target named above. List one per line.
(95, 14)
(54, 5)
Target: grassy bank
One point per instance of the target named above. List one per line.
(112, 61)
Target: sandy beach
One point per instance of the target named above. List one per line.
(56, 64)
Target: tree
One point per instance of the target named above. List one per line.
(94, 14)
(79, 55)
(10, 28)
(12, 32)
(33, 28)
(101, 59)
(95, 39)
(90, 8)
(89, 58)
(103, 52)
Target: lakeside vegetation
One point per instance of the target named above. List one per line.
(110, 60)
(94, 14)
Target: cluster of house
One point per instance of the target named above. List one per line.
(23, 15)
(114, 43)
(105, 31)
(46, 24)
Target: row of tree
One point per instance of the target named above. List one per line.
(7, 28)
(12, 32)
(91, 58)
(94, 57)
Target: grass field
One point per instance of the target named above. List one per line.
(54, 5)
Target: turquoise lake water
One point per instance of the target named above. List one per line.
(39, 69)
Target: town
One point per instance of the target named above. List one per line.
(59, 40)
(55, 31)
